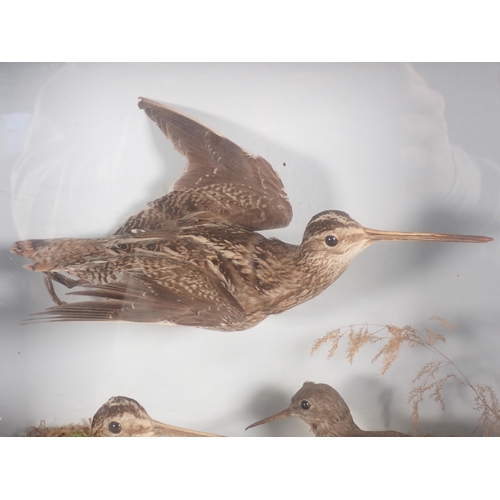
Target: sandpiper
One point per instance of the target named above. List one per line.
(324, 409)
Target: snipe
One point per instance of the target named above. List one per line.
(324, 409)
(193, 256)
(125, 417)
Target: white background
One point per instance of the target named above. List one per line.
(78, 157)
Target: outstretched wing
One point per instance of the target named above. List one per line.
(220, 177)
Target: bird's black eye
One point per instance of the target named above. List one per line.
(331, 240)
(305, 405)
(115, 427)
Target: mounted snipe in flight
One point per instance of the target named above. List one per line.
(193, 256)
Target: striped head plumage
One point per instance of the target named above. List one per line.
(125, 417)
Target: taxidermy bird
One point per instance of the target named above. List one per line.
(125, 417)
(328, 415)
(193, 257)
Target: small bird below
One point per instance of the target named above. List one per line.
(125, 417)
(194, 256)
(324, 409)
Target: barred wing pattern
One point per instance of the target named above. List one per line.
(220, 177)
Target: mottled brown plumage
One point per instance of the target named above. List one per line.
(324, 409)
(125, 417)
(193, 256)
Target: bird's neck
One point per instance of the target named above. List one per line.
(335, 424)
(289, 275)
(318, 270)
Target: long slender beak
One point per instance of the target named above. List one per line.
(376, 235)
(163, 430)
(282, 414)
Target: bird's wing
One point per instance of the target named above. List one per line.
(220, 177)
(166, 292)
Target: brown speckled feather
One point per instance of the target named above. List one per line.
(220, 177)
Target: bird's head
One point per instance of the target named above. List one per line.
(319, 405)
(333, 234)
(332, 237)
(122, 416)
(125, 417)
